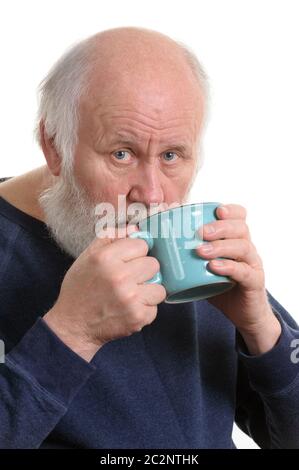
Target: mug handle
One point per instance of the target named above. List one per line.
(146, 236)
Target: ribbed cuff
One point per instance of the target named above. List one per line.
(276, 369)
(44, 360)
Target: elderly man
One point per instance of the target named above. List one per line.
(94, 357)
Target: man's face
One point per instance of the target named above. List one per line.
(138, 138)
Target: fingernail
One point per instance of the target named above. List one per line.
(224, 209)
(217, 262)
(209, 228)
(206, 248)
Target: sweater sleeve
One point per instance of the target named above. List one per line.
(268, 388)
(38, 380)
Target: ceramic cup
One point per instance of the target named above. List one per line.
(171, 236)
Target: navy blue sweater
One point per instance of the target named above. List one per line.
(179, 383)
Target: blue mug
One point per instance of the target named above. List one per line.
(171, 236)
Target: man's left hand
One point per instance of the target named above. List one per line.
(246, 304)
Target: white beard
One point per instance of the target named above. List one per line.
(71, 217)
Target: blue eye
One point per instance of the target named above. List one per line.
(170, 156)
(120, 154)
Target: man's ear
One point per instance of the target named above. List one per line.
(49, 150)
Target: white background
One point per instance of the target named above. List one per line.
(250, 51)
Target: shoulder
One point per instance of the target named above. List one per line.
(9, 232)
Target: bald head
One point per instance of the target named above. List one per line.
(142, 71)
(126, 38)
(124, 58)
(124, 109)
(136, 48)
(131, 55)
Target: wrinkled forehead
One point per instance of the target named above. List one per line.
(157, 99)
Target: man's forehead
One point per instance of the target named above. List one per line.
(137, 136)
(156, 98)
(123, 114)
(125, 130)
(119, 111)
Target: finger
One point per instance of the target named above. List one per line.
(142, 269)
(240, 272)
(108, 235)
(231, 228)
(152, 294)
(116, 232)
(123, 249)
(236, 249)
(149, 314)
(231, 211)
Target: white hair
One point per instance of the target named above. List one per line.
(59, 95)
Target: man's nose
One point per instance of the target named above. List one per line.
(146, 186)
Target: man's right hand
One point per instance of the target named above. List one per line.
(103, 296)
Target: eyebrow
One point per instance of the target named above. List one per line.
(126, 139)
